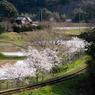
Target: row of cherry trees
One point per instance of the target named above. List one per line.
(40, 61)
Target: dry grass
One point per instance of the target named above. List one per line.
(65, 24)
(3, 62)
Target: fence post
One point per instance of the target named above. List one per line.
(0, 86)
(7, 86)
(22, 83)
(69, 58)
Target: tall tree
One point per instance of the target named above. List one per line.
(8, 10)
(90, 12)
(46, 14)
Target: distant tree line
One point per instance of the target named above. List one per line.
(29, 6)
(46, 16)
(88, 14)
(33, 5)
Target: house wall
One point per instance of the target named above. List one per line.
(23, 22)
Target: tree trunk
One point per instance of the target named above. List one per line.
(37, 78)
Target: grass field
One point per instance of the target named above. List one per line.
(20, 38)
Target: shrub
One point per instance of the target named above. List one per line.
(39, 27)
(23, 28)
(56, 16)
(63, 17)
(17, 29)
(59, 68)
(3, 28)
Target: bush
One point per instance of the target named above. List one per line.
(56, 16)
(59, 68)
(17, 29)
(23, 28)
(3, 28)
(63, 17)
(39, 27)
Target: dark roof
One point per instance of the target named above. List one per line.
(21, 18)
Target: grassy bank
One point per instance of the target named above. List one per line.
(25, 38)
(69, 87)
(2, 56)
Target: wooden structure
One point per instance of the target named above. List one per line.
(23, 21)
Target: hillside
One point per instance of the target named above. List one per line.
(60, 6)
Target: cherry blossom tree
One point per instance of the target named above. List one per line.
(76, 44)
(41, 60)
(17, 71)
(72, 47)
(37, 61)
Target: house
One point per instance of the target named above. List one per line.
(23, 21)
(68, 20)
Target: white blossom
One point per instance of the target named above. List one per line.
(41, 59)
(17, 71)
(36, 61)
(76, 44)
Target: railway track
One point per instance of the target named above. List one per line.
(39, 85)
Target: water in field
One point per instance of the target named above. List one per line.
(10, 50)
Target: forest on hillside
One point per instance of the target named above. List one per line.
(34, 5)
(59, 9)
(55, 10)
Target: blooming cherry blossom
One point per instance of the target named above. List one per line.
(41, 59)
(76, 44)
(18, 70)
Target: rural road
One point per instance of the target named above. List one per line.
(69, 28)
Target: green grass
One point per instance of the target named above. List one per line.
(2, 56)
(69, 87)
(63, 88)
(71, 68)
(20, 39)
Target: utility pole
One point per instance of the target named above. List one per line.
(79, 15)
(79, 20)
(40, 15)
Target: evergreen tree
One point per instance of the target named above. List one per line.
(56, 16)
(8, 10)
(46, 14)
